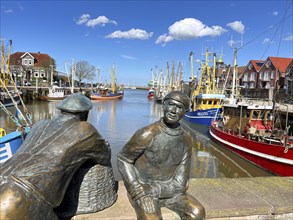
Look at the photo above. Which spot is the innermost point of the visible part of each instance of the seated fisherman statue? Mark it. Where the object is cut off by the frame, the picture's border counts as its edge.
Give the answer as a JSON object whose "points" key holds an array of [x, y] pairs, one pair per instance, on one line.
{"points": [[34, 181], [155, 165]]}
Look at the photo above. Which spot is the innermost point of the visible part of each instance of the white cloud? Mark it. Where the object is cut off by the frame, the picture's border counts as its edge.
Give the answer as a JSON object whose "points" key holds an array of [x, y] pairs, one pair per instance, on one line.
{"points": [[83, 19], [237, 26], [289, 38], [131, 34], [189, 28], [164, 39], [128, 57], [101, 21], [275, 13]]}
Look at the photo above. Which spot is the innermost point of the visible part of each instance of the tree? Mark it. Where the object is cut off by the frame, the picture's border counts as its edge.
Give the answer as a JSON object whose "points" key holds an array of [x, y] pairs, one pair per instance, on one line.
{"points": [[83, 71]]}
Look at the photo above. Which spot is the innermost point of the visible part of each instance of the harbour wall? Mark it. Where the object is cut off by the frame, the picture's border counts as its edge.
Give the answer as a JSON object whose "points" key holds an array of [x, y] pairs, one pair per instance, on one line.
{"points": [[260, 198]]}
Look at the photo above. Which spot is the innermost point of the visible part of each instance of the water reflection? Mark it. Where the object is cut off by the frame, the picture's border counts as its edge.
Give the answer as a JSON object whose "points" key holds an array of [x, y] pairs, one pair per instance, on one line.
{"points": [[210, 160], [117, 120]]}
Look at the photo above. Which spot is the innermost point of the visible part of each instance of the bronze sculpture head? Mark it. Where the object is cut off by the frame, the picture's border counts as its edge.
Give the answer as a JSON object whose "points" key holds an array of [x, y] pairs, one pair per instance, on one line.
{"points": [[178, 96], [76, 104]]}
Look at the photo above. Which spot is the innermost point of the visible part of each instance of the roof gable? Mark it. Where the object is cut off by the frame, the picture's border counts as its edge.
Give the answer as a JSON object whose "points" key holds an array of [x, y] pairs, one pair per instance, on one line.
{"points": [[280, 63], [257, 64], [40, 59], [26, 53]]}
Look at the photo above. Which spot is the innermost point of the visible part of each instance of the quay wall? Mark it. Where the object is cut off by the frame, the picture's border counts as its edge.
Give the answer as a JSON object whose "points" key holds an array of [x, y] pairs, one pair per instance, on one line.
{"points": [[33, 92], [259, 198]]}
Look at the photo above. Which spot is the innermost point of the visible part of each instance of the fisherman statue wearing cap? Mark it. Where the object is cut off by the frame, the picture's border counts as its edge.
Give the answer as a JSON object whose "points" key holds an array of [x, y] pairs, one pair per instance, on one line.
{"points": [[155, 165], [34, 181]]}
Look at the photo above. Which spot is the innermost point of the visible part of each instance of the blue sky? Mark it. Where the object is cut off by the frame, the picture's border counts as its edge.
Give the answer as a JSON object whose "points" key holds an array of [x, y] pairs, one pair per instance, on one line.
{"points": [[140, 35]]}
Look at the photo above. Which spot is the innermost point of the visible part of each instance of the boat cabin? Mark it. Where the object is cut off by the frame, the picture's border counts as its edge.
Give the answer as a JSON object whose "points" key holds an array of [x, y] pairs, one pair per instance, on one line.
{"points": [[208, 101]]}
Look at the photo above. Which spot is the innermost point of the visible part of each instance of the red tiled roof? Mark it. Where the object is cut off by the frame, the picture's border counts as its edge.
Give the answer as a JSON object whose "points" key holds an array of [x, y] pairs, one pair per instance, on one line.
{"points": [[256, 63], [281, 63], [41, 59]]}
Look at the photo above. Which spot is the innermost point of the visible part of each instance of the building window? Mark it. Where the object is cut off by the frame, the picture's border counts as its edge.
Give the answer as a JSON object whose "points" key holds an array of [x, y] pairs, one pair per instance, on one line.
{"points": [[36, 74], [260, 75], [252, 76], [30, 62], [266, 76], [42, 73], [272, 74], [24, 62]]}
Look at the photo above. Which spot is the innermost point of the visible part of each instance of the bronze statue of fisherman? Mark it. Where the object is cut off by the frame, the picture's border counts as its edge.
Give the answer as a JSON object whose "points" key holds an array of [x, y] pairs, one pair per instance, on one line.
{"points": [[155, 165], [34, 181]]}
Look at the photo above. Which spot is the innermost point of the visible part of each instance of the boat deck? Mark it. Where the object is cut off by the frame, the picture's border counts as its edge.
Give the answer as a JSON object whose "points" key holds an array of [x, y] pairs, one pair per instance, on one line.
{"points": [[223, 199]]}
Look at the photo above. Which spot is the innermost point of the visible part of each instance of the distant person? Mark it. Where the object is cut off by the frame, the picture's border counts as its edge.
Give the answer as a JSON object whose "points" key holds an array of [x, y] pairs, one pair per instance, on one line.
{"points": [[34, 181], [155, 165]]}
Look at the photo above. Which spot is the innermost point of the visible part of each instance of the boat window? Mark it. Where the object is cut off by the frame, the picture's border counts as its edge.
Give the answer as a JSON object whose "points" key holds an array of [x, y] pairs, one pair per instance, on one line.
{"points": [[204, 102], [210, 102], [256, 114]]}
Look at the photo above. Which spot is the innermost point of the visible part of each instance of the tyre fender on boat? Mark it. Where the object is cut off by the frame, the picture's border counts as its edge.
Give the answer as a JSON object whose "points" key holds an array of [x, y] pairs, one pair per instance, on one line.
{"points": [[2, 132]]}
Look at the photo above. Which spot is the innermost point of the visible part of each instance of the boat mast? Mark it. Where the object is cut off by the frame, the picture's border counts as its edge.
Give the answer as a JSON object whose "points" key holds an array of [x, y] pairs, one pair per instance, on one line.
{"points": [[191, 65], [5, 61], [73, 76], [234, 73], [214, 73], [113, 78], [2, 59], [172, 77], [180, 77]]}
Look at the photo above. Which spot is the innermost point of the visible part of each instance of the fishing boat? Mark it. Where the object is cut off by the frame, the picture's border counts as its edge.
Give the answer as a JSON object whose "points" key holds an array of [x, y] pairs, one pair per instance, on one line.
{"points": [[103, 93], [162, 88], [10, 142], [254, 131], [164, 82], [106, 94], [151, 93], [249, 131], [152, 86], [7, 101], [206, 100], [56, 93]]}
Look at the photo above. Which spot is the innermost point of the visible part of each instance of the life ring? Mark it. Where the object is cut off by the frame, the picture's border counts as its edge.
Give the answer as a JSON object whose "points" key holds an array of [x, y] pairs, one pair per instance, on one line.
{"points": [[250, 102]]}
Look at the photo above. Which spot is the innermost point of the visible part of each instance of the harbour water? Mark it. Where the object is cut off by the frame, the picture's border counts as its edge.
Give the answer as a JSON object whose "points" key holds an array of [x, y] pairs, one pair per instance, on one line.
{"points": [[117, 121]]}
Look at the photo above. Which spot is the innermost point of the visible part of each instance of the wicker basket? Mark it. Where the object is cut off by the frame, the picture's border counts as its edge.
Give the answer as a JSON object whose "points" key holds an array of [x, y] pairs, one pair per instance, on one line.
{"points": [[92, 189]]}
